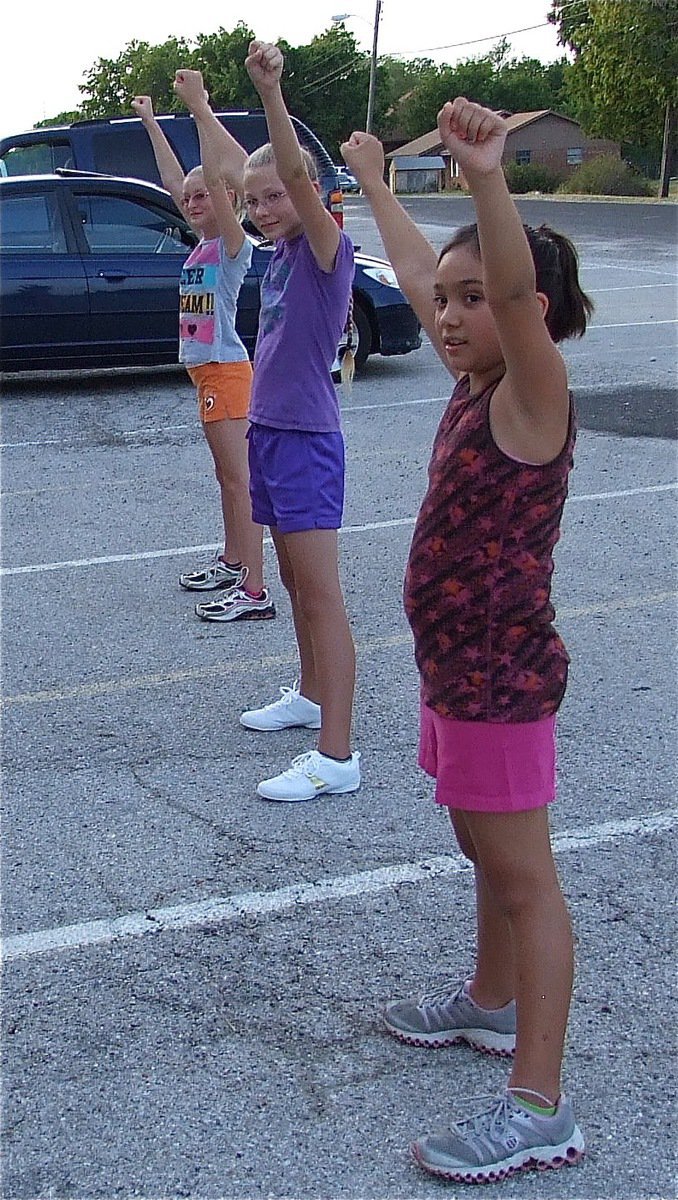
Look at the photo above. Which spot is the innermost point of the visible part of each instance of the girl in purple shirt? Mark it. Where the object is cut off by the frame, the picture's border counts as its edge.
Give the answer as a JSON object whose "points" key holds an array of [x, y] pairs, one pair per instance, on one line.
{"points": [[296, 449]]}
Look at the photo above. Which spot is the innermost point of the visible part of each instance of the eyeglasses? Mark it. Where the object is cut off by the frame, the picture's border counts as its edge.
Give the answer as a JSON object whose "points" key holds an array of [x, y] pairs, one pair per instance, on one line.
{"points": [[199, 196], [270, 200]]}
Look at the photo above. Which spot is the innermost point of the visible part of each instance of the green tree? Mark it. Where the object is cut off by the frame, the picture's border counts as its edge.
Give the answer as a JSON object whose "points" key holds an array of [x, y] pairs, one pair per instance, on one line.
{"points": [[525, 85], [473, 79], [326, 84], [322, 79], [623, 83], [139, 69], [495, 80], [221, 58], [62, 118]]}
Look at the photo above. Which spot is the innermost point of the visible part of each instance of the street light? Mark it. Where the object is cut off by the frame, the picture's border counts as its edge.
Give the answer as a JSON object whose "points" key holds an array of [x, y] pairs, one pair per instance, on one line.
{"points": [[373, 60]]}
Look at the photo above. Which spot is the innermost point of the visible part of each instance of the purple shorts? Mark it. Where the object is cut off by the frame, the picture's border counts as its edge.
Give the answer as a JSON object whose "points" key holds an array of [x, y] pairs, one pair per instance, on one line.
{"points": [[296, 478], [485, 767]]}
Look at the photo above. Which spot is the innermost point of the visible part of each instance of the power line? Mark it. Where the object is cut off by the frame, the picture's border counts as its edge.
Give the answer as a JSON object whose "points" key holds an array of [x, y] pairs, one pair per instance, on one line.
{"points": [[581, 4], [493, 37], [333, 76]]}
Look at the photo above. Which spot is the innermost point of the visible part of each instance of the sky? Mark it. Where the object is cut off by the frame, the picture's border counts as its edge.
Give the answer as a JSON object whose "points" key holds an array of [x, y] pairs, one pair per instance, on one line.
{"points": [[62, 41]]}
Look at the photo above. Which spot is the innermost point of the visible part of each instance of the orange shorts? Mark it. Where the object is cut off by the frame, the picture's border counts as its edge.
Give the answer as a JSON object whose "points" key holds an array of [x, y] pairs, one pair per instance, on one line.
{"points": [[223, 390]]}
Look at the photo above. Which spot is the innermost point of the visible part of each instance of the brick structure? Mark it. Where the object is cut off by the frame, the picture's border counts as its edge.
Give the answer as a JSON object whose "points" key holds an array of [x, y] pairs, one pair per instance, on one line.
{"points": [[544, 137]]}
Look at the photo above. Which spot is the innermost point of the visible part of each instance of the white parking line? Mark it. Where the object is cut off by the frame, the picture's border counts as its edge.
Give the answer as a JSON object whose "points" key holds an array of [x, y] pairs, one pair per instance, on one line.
{"points": [[221, 910], [631, 324], [177, 551], [632, 287]]}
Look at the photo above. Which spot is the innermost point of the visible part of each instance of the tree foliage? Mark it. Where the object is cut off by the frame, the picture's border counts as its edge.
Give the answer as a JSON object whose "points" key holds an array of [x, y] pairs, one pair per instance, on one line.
{"points": [[325, 84], [322, 84], [139, 69], [626, 64], [517, 85]]}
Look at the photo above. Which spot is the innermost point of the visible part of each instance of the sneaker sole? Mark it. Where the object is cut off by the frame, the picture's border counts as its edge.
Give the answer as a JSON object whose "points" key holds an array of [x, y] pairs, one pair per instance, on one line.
{"points": [[263, 615], [499, 1045], [354, 787], [278, 728], [538, 1158]]}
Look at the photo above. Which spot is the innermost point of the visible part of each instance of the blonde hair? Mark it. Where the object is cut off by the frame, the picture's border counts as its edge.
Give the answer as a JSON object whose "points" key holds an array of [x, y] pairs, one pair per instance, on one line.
{"points": [[348, 357], [264, 156], [194, 171]]}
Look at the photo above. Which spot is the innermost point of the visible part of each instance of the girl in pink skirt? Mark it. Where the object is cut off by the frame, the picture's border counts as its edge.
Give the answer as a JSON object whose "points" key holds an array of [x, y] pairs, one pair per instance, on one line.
{"points": [[495, 303]]}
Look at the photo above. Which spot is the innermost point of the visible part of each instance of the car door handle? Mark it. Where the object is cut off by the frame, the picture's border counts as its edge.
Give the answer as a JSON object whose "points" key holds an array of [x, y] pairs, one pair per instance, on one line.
{"points": [[112, 275]]}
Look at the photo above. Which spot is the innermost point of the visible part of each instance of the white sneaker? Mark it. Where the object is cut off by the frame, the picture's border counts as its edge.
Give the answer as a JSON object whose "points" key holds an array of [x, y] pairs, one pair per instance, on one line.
{"points": [[313, 774], [213, 575], [292, 709], [237, 605]]}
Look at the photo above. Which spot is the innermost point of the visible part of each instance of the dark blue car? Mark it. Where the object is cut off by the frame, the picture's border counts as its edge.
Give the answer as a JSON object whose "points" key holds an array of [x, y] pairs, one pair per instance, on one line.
{"points": [[89, 274]]}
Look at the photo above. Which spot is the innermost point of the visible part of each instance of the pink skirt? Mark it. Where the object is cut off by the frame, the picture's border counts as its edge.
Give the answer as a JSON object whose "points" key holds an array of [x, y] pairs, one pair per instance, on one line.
{"points": [[486, 767]]}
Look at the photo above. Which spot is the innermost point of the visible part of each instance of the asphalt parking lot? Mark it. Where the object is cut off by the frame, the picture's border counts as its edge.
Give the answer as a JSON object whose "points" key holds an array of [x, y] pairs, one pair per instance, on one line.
{"points": [[192, 976]]}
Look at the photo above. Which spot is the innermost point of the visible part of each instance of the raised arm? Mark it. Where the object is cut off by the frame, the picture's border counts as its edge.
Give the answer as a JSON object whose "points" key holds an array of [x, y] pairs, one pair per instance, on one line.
{"points": [[535, 371], [169, 167], [264, 64], [413, 258], [221, 145], [221, 158]]}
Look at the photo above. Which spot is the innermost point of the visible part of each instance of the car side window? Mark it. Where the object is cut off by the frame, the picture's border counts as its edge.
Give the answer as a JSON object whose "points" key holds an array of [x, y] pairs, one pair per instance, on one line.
{"points": [[32, 224], [36, 158], [118, 225]]}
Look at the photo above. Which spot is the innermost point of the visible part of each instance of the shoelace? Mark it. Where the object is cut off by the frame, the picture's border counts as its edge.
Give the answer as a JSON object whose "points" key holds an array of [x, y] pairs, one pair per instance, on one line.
{"points": [[494, 1117], [233, 594], [303, 764], [228, 598], [287, 695], [451, 991]]}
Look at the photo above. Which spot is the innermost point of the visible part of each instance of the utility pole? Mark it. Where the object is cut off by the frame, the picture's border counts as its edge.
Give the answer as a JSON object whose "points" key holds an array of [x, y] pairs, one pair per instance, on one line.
{"points": [[668, 148], [373, 69]]}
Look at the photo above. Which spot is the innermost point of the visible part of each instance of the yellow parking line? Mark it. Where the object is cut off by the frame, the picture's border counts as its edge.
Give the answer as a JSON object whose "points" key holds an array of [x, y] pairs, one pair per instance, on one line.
{"points": [[133, 683]]}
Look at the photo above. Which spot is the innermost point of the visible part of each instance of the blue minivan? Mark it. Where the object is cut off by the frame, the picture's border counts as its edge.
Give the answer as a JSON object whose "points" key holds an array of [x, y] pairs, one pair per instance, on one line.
{"points": [[120, 146]]}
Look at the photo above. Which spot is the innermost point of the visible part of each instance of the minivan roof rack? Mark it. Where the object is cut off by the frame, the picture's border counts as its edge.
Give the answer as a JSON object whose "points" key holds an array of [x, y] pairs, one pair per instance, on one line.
{"points": [[73, 171], [222, 112]]}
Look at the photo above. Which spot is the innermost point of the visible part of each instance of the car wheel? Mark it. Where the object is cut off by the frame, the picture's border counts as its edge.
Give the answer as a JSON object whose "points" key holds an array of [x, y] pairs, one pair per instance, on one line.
{"points": [[362, 339]]}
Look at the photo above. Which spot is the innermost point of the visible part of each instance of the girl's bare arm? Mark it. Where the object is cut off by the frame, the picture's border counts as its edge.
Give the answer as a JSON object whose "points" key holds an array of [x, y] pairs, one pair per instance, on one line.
{"points": [[221, 158], [169, 167], [535, 384], [264, 65], [412, 257]]}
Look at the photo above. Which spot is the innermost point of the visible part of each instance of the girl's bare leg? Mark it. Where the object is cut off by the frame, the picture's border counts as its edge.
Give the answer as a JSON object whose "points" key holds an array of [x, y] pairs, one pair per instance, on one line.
{"points": [[308, 680], [243, 540], [492, 985], [514, 853], [322, 626]]}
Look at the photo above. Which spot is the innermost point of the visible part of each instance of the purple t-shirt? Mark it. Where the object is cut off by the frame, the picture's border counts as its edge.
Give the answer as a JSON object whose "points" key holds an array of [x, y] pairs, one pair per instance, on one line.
{"points": [[303, 314]]}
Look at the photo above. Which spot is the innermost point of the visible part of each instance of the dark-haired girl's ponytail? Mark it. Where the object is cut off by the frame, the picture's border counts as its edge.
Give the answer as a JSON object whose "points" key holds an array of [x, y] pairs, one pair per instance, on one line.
{"points": [[570, 307]]}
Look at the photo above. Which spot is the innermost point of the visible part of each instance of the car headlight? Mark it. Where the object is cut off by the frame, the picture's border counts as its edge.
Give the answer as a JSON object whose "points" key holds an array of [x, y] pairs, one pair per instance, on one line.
{"points": [[385, 275]]}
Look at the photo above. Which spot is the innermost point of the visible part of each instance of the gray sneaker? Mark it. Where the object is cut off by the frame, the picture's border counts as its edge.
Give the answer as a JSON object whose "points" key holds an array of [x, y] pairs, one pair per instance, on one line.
{"points": [[501, 1139], [448, 1015]]}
